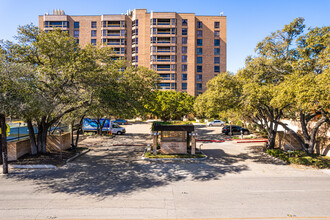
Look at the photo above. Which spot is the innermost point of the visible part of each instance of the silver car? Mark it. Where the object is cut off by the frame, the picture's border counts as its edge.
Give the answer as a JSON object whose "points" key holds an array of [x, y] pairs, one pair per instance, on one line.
{"points": [[216, 123]]}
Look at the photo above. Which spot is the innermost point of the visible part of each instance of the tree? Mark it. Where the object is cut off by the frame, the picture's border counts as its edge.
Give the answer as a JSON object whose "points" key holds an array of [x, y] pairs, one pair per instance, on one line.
{"points": [[62, 78], [169, 105], [260, 80], [307, 89], [223, 93]]}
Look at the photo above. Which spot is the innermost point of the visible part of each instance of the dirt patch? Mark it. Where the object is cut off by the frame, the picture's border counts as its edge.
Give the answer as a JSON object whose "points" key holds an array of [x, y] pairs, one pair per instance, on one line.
{"points": [[52, 158]]}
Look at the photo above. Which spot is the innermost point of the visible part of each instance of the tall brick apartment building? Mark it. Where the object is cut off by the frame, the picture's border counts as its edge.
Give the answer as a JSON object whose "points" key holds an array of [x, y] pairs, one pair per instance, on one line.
{"points": [[186, 50]]}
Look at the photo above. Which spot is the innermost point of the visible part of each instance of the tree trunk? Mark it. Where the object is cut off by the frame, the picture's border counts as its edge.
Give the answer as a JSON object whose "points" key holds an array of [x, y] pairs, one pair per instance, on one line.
{"points": [[309, 139], [32, 136], [4, 143], [79, 130], [271, 139], [42, 135]]}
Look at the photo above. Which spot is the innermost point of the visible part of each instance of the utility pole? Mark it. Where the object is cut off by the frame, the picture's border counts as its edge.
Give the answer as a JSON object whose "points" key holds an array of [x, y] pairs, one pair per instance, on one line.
{"points": [[4, 143]]}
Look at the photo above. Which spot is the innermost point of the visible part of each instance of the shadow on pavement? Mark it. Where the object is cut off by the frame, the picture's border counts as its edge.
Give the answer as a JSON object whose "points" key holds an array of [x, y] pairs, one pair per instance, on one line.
{"points": [[103, 174]]}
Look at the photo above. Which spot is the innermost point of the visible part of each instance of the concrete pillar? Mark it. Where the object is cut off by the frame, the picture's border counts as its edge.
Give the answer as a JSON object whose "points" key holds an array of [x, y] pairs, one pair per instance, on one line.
{"points": [[193, 144], [155, 138]]}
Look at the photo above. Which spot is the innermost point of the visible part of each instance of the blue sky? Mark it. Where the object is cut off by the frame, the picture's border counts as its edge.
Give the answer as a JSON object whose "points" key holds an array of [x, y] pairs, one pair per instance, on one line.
{"points": [[248, 22]]}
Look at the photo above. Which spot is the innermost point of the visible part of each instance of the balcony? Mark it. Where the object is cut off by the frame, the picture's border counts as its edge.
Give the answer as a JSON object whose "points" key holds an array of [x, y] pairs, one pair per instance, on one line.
{"points": [[113, 24]]}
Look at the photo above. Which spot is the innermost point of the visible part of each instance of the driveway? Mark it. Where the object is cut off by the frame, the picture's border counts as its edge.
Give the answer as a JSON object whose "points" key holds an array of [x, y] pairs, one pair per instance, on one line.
{"points": [[236, 181]]}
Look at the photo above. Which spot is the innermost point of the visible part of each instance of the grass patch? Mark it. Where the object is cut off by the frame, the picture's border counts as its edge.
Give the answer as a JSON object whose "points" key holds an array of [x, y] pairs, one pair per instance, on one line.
{"points": [[172, 156], [301, 158]]}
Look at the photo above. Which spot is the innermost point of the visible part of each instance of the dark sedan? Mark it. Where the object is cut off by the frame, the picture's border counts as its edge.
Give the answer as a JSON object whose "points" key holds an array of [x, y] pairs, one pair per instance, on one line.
{"points": [[235, 130]]}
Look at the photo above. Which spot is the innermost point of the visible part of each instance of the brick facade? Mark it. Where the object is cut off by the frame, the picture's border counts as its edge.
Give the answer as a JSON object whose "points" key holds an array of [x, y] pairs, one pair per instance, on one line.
{"points": [[159, 45]]}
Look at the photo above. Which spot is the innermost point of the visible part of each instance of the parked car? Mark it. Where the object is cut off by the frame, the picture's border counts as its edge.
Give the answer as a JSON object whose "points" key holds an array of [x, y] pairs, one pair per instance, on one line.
{"points": [[216, 123], [120, 121], [235, 130], [116, 129]]}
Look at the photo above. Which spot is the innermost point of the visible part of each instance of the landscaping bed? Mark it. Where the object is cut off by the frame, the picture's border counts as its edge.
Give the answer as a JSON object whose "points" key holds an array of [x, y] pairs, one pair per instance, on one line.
{"points": [[50, 158], [173, 156], [301, 158]]}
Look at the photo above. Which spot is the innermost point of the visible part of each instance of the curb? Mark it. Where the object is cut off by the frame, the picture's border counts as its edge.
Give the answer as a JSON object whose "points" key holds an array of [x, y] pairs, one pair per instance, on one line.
{"points": [[77, 155], [257, 141], [214, 141], [35, 166], [275, 158], [169, 159]]}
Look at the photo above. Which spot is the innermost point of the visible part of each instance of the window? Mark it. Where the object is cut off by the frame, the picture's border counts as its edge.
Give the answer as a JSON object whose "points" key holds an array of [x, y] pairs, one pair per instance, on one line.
{"points": [[184, 86], [217, 69], [136, 59], [199, 86], [184, 77], [172, 76], [184, 50], [199, 33], [93, 33], [173, 40], [122, 50], [216, 33], [173, 58], [93, 41], [122, 41], [216, 60], [136, 49], [136, 31], [77, 41], [199, 24], [173, 21], [122, 33], [76, 34], [93, 24], [199, 77], [216, 42], [199, 51], [136, 23], [136, 40], [184, 40], [173, 30], [184, 68], [216, 51], [199, 59], [199, 42], [184, 31], [216, 24], [184, 59], [184, 22], [199, 69], [76, 25]]}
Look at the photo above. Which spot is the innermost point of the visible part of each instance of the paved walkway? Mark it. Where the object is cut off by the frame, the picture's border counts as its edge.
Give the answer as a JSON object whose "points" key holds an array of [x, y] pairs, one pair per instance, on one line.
{"points": [[113, 182]]}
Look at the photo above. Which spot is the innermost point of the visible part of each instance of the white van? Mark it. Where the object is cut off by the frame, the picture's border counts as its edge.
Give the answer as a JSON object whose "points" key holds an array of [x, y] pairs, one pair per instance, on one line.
{"points": [[116, 129]]}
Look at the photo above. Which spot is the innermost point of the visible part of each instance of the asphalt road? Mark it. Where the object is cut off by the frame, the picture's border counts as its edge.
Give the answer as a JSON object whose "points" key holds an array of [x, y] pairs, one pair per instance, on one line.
{"points": [[112, 182]]}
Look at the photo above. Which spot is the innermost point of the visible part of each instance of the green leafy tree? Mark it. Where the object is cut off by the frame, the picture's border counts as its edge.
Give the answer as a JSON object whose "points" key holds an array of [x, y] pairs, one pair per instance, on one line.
{"points": [[61, 80], [307, 89], [169, 105]]}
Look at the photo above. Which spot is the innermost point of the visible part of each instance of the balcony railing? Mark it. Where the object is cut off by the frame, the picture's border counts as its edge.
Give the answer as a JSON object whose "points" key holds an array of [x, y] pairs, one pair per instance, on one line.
{"points": [[113, 43], [163, 42], [163, 23], [163, 51], [163, 69]]}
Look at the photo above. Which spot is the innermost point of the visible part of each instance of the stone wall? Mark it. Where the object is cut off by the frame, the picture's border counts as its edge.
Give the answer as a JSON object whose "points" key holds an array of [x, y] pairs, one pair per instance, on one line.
{"points": [[58, 143], [287, 141], [16, 149]]}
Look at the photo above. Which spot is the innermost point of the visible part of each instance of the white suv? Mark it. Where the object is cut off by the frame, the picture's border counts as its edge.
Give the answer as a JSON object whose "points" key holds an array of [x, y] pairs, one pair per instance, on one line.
{"points": [[216, 123]]}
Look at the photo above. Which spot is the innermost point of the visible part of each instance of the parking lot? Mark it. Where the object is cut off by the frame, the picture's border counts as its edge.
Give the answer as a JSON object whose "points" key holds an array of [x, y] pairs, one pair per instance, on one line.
{"points": [[111, 181]]}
